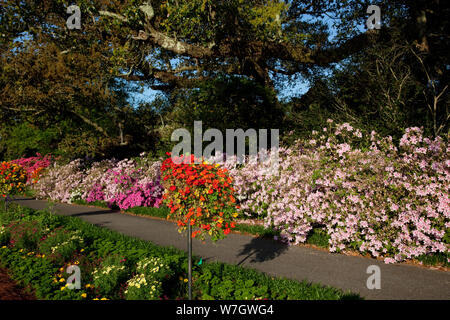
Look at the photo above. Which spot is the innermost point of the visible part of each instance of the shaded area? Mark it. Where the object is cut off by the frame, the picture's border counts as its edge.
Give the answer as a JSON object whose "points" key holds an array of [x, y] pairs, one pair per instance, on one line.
{"points": [[260, 250], [90, 213]]}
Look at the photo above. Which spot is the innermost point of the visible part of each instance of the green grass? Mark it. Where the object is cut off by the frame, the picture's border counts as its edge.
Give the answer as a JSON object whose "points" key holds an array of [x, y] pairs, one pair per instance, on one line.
{"points": [[318, 237], [101, 204], [161, 212], [257, 230], [435, 259]]}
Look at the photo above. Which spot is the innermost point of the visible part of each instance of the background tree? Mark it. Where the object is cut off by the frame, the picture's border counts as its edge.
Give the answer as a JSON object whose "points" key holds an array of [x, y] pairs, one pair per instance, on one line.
{"points": [[200, 52]]}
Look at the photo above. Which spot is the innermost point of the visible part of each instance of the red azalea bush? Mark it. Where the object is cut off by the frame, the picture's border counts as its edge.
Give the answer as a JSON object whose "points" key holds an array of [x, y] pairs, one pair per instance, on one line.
{"points": [[200, 193], [34, 166]]}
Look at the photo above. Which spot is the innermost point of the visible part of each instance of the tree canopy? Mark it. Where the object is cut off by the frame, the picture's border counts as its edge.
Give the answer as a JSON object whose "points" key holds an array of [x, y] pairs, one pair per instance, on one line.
{"points": [[216, 54]]}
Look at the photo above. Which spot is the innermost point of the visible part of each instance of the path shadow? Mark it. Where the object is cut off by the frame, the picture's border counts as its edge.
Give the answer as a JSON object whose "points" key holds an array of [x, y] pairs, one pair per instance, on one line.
{"points": [[259, 250], [90, 213]]}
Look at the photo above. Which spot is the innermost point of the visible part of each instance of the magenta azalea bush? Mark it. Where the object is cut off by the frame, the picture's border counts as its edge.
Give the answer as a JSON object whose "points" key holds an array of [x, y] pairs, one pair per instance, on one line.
{"points": [[127, 183], [34, 166]]}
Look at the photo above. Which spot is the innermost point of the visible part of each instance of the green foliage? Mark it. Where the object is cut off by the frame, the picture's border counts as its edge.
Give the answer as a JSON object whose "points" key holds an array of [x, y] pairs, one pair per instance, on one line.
{"points": [[318, 237], [220, 281], [26, 140], [110, 275], [25, 234], [60, 244], [161, 212], [240, 102]]}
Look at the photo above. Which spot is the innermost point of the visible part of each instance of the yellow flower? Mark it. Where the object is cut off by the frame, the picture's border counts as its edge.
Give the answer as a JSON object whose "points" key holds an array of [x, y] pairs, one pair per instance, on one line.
{"points": [[3, 247], [83, 295], [62, 280], [81, 250], [43, 256], [89, 285], [62, 288], [95, 299], [103, 299], [186, 280]]}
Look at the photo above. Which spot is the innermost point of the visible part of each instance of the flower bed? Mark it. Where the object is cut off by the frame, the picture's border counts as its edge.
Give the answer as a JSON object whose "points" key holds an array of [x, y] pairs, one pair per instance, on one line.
{"points": [[12, 179], [347, 189], [114, 266], [126, 184]]}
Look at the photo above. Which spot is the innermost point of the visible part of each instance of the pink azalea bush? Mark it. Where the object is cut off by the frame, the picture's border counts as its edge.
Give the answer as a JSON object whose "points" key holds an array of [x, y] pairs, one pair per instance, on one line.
{"points": [[59, 181], [364, 191]]}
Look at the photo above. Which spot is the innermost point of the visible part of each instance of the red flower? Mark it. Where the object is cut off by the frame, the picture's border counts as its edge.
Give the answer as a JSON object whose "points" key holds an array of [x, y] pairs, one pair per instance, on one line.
{"points": [[173, 188]]}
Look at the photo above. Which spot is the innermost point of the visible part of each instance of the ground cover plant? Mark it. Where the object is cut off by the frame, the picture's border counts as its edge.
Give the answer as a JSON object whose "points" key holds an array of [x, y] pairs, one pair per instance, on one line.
{"points": [[115, 266]]}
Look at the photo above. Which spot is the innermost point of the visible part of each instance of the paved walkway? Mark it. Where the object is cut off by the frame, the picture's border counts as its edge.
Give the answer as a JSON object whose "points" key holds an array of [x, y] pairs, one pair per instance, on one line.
{"points": [[295, 262]]}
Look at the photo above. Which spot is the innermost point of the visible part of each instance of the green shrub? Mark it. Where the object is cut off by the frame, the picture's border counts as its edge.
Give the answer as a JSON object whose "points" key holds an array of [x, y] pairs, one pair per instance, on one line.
{"points": [[110, 275], [61, 244], [25, 234]]}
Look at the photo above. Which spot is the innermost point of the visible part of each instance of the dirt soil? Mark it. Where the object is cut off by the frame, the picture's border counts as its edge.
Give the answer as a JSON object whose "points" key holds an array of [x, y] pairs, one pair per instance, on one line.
{"points": [[9, 290]]}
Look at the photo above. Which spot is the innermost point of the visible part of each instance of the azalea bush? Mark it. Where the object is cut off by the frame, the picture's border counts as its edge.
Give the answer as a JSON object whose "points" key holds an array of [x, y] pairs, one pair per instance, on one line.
{"points": [[200, 194], [367, 193], [59, 181], [34, 166], [12, 179], [126, 184]]}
